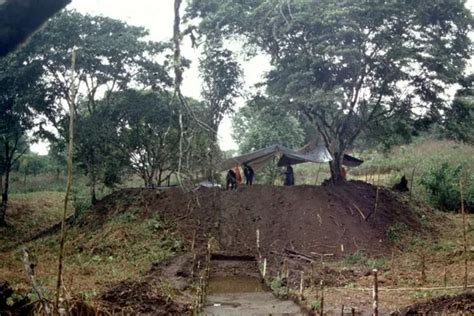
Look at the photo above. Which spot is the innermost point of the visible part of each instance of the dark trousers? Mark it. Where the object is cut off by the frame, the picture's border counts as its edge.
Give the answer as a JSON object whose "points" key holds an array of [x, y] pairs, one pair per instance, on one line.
{"points": [[248, 180], [231, 184]]}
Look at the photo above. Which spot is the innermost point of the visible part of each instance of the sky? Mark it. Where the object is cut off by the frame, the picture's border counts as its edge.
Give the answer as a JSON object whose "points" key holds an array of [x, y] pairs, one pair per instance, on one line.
{"points": [[157, 16]]}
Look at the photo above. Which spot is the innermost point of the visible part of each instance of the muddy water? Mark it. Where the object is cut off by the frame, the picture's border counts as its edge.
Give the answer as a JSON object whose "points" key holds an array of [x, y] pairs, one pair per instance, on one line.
{"points": [[235, 289], [234, 284]]}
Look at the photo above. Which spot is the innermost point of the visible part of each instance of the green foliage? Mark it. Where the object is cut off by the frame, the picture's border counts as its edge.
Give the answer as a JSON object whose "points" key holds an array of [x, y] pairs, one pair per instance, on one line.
{"points": [[315, 306], [396, 232], [261, 124], [346, 65], [443, 185], [149, 132], [356, 257], [459, 121], [111, 56]]}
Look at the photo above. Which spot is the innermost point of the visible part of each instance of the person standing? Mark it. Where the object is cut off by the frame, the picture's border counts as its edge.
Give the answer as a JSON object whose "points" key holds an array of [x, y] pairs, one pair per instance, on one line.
{"points": [[231, 180], [289, 176], [248, 173], [238, 175]]}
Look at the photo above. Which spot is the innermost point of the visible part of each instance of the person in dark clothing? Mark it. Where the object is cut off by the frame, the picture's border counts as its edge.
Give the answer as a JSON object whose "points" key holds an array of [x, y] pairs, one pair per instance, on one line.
{"points": [[402, 186], [289, 176], [248, 173], [231, 180]]}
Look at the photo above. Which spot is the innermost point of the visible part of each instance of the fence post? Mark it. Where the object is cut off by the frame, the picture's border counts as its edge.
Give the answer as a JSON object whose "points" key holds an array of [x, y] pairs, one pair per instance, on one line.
{"points": [[321, 312], [464, 232], [375, 294], [301, 285]]}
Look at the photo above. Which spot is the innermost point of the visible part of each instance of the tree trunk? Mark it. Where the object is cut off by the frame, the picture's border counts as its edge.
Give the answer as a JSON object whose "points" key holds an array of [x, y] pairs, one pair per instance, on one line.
{"points": [[92, 188], [4, 203], [335, 166]]}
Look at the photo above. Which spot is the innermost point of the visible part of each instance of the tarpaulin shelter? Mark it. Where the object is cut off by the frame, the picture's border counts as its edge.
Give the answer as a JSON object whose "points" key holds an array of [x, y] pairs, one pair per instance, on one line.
{"points": [[285, 156]]}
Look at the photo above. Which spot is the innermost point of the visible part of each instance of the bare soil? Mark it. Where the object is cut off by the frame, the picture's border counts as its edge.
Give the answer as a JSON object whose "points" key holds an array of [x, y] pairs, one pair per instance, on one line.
{"points": [[462, 304]]}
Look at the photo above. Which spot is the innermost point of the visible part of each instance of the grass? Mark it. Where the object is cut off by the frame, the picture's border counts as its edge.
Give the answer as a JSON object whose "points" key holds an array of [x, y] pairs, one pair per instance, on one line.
{"points": [[124, 247]]}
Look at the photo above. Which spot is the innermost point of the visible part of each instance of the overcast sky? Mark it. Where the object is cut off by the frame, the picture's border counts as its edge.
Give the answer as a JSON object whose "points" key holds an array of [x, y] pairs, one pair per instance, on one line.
{"points": [[157, 16]]}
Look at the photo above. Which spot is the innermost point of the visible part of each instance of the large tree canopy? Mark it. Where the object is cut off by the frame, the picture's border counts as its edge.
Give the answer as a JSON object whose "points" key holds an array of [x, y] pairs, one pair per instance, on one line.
{"points": [[346, 64], [111, 57]]}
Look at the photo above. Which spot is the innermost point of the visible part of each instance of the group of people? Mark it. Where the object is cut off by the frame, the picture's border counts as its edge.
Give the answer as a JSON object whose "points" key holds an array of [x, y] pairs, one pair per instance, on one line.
{"points": [[234, 178]]}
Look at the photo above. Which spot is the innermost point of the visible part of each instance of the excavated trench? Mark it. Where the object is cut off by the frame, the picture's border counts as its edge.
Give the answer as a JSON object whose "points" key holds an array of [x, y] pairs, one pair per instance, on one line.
{"points": [[235, 287]]}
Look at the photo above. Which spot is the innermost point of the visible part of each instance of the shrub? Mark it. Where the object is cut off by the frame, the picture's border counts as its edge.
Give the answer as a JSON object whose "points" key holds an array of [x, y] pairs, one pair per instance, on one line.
{"points": [[442, 184]]}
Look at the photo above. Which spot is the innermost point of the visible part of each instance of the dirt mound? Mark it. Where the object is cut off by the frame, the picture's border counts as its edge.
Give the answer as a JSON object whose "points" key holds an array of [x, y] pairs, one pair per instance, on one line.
{"points": [[459, 304], [297, 225], [312, 220]]}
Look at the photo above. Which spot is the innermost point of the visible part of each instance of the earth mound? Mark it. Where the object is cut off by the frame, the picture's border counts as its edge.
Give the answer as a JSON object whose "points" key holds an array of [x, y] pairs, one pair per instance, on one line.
{"points": [[462, 304]]}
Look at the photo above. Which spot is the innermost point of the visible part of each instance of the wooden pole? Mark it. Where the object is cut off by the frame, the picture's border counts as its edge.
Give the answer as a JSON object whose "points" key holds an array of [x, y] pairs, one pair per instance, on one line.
{"points": [[321, 311], [376, 199], [342, 310], [287, 280], [411, 182], [353, 311], [317, 175], [445, 277], [193, 242], [464, 231], [392, 269], [72, 111], [264, 272], [301, 284], [375, 294], [258, 244], [423, 268]]}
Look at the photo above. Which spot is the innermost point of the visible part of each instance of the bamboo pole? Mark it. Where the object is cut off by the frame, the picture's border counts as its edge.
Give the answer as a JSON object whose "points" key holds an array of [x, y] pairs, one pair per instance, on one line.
{"points": [[71, 103], [464, 231]]}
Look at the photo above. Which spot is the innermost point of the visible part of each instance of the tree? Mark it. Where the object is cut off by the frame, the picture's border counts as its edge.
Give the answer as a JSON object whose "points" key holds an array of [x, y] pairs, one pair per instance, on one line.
{"points": [[347, 64], [22, 99], [261, 124], [459, 121], [221, 75], [148, 131], [111, 56]]}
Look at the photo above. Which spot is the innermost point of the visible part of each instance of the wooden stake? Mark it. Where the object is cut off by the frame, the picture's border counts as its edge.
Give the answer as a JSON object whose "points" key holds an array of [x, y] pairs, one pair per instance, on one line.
{"points": [[342, 310], [311, 280], [258, 244], [301, 285], [317, 175], [353, 311], [193, 243], [445, 277], [375, 293], [321, 311], [464, 232], [264, 268], [411, 181], [376, 199], [423, 268], [287, 280], [392, 268]]}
